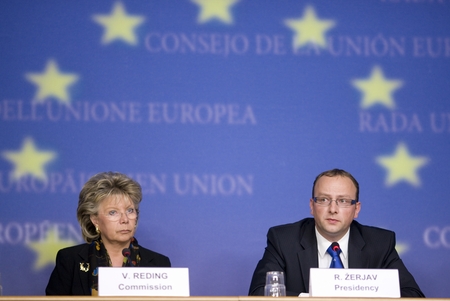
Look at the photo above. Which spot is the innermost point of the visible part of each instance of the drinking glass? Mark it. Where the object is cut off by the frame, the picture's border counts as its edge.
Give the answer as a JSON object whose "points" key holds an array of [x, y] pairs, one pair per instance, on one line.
{"points": [[275, 284]]}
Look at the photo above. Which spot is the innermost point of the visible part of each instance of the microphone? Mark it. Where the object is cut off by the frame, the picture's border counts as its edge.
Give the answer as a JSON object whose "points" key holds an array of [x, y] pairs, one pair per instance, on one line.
{"points": [[335, 247], [127, 253], [334, 251]]}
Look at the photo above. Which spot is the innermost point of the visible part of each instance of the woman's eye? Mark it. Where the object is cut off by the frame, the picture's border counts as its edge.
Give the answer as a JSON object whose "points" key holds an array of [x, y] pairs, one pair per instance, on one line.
{"points": [[130, 210], [112, 212]]}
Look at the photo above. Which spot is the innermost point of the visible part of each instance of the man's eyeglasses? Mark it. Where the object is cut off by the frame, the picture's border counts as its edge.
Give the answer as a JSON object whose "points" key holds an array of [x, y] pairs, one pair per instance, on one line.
{"points": [[322, 201], [114, 215]]}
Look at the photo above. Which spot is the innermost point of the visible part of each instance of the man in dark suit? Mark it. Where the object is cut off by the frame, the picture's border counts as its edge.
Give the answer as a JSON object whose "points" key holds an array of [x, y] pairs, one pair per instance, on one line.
{"points": [[297, 247]]}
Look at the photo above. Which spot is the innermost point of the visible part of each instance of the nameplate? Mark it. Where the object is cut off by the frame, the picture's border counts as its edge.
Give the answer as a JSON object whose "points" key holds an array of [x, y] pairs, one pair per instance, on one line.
{"points": [[140, 281], [380, 283]]}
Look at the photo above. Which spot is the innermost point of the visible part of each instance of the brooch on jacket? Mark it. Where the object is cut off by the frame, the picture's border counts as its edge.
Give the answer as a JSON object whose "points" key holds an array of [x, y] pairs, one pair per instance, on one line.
{"points": [[84, 267]]}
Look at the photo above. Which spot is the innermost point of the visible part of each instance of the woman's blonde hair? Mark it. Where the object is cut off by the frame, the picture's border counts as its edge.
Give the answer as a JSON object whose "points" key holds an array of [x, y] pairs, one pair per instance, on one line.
{"points": [[96, 189]]}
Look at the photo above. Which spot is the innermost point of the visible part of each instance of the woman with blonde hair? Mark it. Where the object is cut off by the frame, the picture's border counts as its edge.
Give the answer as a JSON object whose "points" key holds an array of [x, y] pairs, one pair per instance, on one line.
{"points": [[108, 213]]}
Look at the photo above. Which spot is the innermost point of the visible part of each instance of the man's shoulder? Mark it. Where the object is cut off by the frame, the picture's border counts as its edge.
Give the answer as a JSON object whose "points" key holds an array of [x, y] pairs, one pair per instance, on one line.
{"points": [[371, 230], [292, 227]]}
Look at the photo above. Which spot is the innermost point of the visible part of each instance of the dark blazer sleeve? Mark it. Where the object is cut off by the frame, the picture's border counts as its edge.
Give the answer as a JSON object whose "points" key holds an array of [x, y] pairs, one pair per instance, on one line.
{"points": [[292, 249], [271, 261], [408, 285], [61, 277], [66, 279], [374, 248]]}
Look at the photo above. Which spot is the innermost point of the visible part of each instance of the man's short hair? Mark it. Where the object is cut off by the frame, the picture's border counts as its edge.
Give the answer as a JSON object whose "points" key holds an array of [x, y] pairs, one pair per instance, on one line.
{"points": [[337, 173]]}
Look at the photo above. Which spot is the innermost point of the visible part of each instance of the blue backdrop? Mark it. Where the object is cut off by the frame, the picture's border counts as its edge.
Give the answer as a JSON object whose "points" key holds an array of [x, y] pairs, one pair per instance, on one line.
{"points": [[224, 111]]}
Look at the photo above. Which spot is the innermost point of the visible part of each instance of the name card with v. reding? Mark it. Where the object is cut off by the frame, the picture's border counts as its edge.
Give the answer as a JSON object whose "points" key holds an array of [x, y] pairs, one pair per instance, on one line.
{"points": [[140, 281], [380, 283]]}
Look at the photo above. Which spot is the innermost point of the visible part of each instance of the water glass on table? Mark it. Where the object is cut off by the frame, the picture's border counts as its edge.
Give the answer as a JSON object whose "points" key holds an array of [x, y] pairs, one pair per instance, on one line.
{"points": [[275, 284]]}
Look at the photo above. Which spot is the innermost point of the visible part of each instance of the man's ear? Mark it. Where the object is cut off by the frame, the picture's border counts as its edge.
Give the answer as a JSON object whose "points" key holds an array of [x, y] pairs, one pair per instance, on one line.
{"points": [[357, 209]]}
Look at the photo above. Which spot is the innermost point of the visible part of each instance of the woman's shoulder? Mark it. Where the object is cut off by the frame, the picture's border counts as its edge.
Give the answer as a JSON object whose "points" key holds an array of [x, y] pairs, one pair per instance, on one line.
{"points": [[153, 258], [74, 249], [145, 251]]}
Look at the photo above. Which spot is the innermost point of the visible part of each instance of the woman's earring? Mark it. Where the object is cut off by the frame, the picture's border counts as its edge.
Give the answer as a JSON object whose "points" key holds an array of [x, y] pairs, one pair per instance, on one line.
{"points": [[97, 230]]}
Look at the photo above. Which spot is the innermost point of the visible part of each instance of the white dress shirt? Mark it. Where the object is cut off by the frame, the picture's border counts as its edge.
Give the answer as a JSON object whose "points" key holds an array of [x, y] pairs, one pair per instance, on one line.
{"points": [[323, 244]]}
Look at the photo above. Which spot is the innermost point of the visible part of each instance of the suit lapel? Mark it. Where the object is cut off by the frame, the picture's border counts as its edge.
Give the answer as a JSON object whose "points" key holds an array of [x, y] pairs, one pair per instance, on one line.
{"points": [[356, 243], [83, 275], [307, 256]]}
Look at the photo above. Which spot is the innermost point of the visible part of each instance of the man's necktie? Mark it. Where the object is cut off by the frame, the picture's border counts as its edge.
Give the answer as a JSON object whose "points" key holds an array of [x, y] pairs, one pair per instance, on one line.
{"points": [[334, 251]]}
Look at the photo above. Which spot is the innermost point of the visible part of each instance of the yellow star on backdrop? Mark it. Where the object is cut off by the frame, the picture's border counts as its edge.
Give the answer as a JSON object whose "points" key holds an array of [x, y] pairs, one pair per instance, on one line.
{"points": [[377, 89], [401, 248], [46, 250], [119, 25], [402, 166], [29, 160], [309, 29], [52, 83], [215, 9]]}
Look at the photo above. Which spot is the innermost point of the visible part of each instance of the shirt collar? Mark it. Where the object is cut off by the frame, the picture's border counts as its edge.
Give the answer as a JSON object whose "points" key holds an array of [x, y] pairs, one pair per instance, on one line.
{"points": [[323, 244]]}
